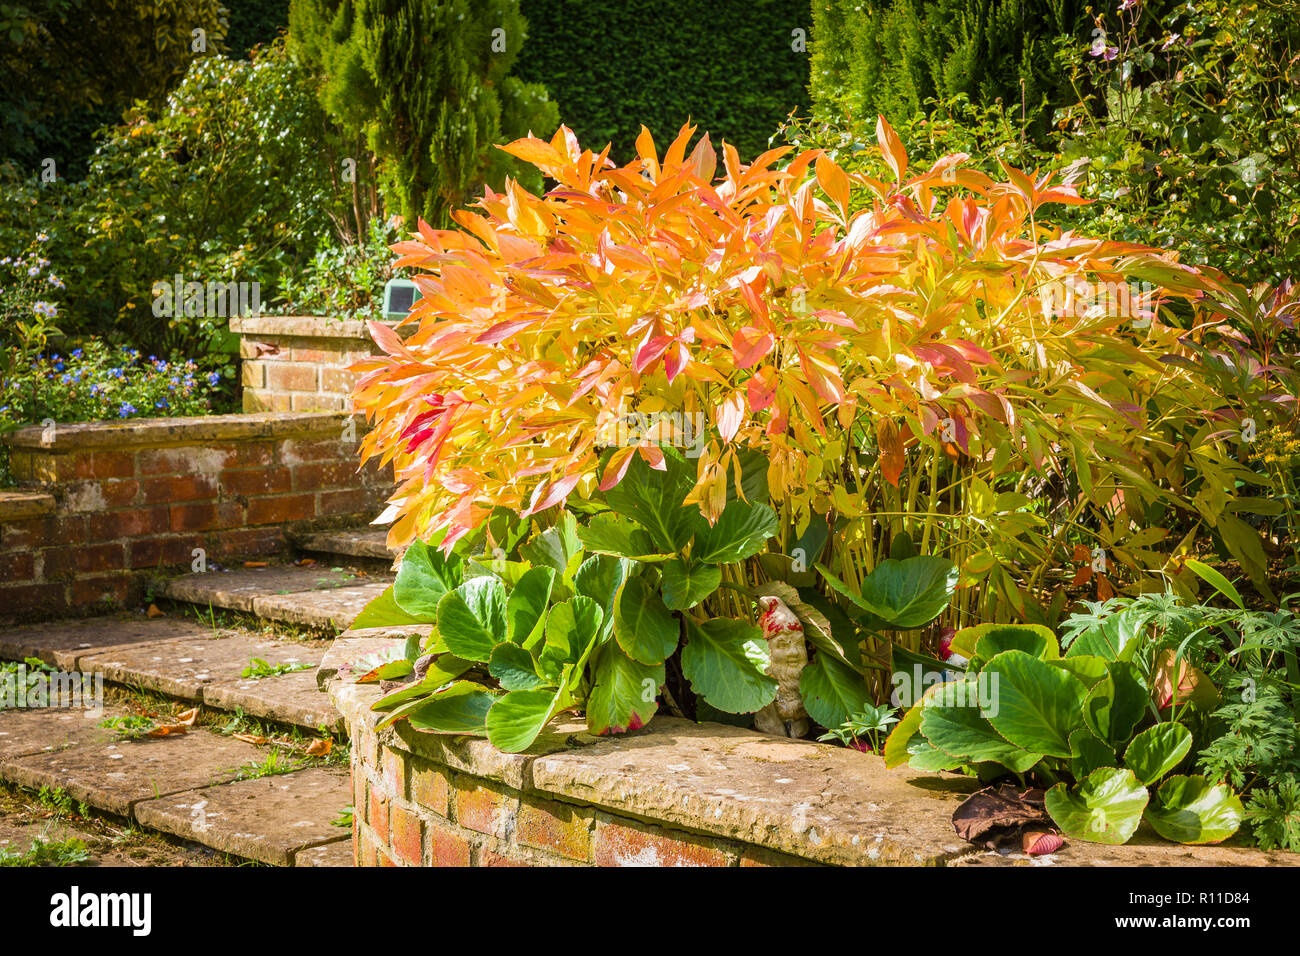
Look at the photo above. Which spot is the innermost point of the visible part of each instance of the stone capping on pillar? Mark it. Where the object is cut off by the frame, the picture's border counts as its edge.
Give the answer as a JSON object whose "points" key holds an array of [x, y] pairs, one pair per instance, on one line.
{"points": [[161, 432]]}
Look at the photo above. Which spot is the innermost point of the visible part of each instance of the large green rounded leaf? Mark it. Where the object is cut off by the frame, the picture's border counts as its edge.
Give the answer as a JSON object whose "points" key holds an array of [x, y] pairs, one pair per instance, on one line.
{"points": [[685, 584], [599, 578], [617, 535], [1192, 810], [623, 695], [423, 578], [726, 662], [514, 668], [472, 618], [555, 547], [1157, 750], [459, 709], [1034, 705], [908, 593], [572, 628], [1115, 704], [384, 611], [896, 746], [832, 692], [1106, 807], [516, 719], [653, 499], [526, 607], [1086, 667], [644, 628], [1090, 752], [740, 531], [1115, 638], [951, 721], [1031, 638]]}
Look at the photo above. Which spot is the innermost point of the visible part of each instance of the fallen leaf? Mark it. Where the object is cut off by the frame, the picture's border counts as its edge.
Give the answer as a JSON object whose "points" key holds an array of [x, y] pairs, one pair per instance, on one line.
{"points": [[995, 814], [168, 730], [304, 562], [320, 748], [255, 564], [251, 738], [1041, 842], [155, 612], [188, 717]]}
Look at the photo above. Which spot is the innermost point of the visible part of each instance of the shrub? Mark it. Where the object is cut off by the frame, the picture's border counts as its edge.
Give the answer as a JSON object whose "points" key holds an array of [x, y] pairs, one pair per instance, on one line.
{"points": [[734, 69]]}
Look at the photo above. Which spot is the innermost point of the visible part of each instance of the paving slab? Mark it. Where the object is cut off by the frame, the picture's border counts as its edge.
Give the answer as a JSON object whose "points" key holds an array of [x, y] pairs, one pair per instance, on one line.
{"points": [[185, 667], [292, 698], [267, 819], [350, 542], [62, 643], [338, 853], [331, 610], [45, 729], [19, 831], [1146, 848], [237, 590], [115, 776]]}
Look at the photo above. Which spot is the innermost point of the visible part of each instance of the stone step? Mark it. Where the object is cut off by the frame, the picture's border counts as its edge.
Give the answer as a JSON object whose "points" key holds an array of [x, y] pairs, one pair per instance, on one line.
{"points": [[321, 598], [186, 660], [194, 785], [349, 543]]}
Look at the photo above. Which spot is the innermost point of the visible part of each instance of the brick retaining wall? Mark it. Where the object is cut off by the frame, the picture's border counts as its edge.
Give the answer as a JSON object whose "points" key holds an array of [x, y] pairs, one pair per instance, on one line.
{"points": [[106, 504]]}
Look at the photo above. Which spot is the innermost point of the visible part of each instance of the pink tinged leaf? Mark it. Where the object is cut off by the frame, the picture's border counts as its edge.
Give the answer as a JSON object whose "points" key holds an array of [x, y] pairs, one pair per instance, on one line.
{"points": [[676, 359], [616, 468], [835, 317], [750, 346], [730, 415], [502, 331], [557, 492], [823, 377], [653, 456], [760, 393], [648, 352], [1040, 842]]}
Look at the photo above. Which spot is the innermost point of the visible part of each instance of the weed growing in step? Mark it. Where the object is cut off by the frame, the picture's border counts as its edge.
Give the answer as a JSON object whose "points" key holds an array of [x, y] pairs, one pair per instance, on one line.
{"points": [[72, 852], [61, 803], [130, 726], [258, 668], [344, 819]]}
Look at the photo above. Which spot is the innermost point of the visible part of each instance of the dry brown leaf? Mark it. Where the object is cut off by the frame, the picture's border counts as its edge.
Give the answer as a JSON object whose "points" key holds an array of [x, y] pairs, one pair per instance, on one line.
{"points": [[188, 717], [155, 612], [168, 730], [305, 562], [320, 748], [251, 738], [255, 564]]}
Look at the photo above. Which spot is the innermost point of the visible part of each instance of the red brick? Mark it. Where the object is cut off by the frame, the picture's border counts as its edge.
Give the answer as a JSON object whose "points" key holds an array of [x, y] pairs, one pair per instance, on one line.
{"points": [[406, 841], [377, 814], [113, 525], [178, 488], [320, 449], [355, 501], [291, 377], [17, 566], [96, 590], [394, 771], [384, 858], [26, 533], [100, 558], [119, 493], [313, 356], [281, 508], [24, 599], [555, 827], [247, 542], [105, 464], [194, 517], [250, 454], [256, 481], [615, 844], [429, 788], [319, 475], [337, 380], [483, 808], [365, 846], [491, 858], [447, 847], [59, 562]]}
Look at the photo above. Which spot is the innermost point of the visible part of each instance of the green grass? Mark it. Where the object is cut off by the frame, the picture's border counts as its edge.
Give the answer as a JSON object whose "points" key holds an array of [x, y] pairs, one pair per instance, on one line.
{"points": [[258, 668], [73, 852]]}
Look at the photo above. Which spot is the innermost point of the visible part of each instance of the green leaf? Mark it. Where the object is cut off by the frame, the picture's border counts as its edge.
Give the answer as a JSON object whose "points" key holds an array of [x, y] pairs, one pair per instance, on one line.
{"points": [[555, 547], [1106, 807], [740, 531], [832, 692], [1215, 580], [1035, 706], [1031, 638], [753, 476], [1086, 667], [1157, 750], [686, 585], [644, 628], [514, 668], [1089, 753], [1115, 638], [623, 695], [571, 629], [460, 709], [526, 607], [1115, 704], [951, 721], [614, 534], [442, 670], [600, 578], [653, 499], [726, 662], [384, 611], [1192, 810], [472, 618], [516, 719], [902, 594], [424, 577]]}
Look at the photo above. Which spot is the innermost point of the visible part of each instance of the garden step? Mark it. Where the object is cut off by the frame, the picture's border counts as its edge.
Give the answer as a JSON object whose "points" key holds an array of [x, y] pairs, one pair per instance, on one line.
{"points": [[310, 596], [186, 785], [185, 660], [349, 543]]}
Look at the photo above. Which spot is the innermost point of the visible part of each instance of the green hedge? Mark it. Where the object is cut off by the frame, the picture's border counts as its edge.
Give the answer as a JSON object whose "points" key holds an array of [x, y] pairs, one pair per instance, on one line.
{"points": [[890, 56], [728, 66]]}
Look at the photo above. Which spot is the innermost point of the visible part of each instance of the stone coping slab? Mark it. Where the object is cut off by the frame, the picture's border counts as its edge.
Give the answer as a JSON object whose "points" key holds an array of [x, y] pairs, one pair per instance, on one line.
{"points": [[355, 543], [819, 803], [64, 644], [16, 505], [151, 432], [269, 819], [329, 610], [240, 590]]}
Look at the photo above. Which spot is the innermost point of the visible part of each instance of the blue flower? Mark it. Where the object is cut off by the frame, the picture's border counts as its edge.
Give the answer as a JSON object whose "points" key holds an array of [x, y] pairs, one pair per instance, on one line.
{"points": [[115, 372], [76, 353], [58, 365], [125, 410], [214, 378], [161, 403]]}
